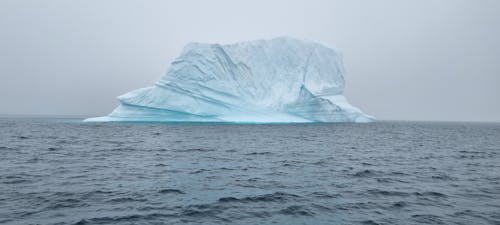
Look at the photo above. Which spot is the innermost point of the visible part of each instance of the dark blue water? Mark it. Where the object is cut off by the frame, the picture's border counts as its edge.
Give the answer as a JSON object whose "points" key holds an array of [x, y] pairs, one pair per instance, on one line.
{"points": [[54, 172]]}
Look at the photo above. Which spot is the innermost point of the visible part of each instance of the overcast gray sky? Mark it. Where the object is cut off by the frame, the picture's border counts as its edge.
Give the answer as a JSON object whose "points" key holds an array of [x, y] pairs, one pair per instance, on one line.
{"points": [[405, 59]]}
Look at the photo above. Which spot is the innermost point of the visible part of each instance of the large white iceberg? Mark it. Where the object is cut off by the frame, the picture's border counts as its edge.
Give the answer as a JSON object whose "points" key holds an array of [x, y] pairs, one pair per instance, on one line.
{"points": [[266, 81]]}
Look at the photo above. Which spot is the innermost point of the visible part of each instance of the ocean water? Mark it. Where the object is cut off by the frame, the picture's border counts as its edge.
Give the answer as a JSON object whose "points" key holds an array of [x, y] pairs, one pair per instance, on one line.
{"points": [[66, 172]]}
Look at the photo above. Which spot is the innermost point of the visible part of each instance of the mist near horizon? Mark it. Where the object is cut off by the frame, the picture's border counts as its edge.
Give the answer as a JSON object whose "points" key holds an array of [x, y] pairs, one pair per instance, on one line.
{"points": [[405, 60]]}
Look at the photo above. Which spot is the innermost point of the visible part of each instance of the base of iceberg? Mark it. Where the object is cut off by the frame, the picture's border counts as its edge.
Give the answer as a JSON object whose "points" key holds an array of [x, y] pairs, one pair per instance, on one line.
{"points": [[282, 80]]}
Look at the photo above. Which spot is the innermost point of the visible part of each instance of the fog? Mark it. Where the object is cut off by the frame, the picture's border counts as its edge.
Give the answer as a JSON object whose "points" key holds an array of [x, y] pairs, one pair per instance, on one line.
{"points": [[405, 60]]}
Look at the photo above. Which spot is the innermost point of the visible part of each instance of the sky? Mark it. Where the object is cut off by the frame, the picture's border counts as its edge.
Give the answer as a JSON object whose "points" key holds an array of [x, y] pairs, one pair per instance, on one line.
{"points": [[405, 59]]}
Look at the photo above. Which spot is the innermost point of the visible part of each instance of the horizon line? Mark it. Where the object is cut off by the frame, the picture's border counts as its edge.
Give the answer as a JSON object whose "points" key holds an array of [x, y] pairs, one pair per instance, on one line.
{"points": [[68, 116]]}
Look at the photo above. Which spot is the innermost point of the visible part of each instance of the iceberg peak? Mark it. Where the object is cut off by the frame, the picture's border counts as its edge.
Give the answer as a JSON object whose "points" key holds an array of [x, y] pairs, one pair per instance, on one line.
{"points": [[277, 80]]}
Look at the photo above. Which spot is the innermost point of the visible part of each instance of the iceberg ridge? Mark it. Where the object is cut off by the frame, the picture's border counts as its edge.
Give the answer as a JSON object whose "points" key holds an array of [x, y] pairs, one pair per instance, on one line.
{"points": [[281, 80]]}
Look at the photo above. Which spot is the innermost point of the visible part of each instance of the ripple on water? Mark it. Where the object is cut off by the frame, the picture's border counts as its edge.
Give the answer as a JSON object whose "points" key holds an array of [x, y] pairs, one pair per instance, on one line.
{"points": [[193, 150], [378, 192], [366, 173], [381, 173], [274, 197], [66, 203], [431, 194], [427, 219], [170, 191], [297, 210]]}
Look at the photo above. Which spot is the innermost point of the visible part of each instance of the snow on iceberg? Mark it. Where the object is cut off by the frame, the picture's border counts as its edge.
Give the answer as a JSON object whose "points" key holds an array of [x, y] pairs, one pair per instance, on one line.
{"points": [[280, 80]]}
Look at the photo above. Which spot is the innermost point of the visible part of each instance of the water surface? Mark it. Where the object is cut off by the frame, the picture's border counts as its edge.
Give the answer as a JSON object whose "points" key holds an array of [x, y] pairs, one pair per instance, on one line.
{"points": [[54, 172]]}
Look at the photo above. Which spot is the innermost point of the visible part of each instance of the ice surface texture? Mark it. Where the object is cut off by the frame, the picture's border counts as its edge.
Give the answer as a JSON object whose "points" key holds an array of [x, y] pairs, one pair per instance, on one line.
{"points": [[265, 81]]}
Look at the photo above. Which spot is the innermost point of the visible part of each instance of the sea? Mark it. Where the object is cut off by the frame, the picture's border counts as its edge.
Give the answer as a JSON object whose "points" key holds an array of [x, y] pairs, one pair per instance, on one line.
{"points": [[64, 171]]}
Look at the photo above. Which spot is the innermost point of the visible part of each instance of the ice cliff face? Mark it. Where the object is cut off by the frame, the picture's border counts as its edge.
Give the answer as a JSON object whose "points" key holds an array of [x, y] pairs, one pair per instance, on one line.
{"points": [[277, 80]]}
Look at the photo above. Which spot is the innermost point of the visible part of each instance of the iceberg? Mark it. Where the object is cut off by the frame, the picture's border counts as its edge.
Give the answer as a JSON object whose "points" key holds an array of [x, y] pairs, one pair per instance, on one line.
{"points": [[280, 80]]}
